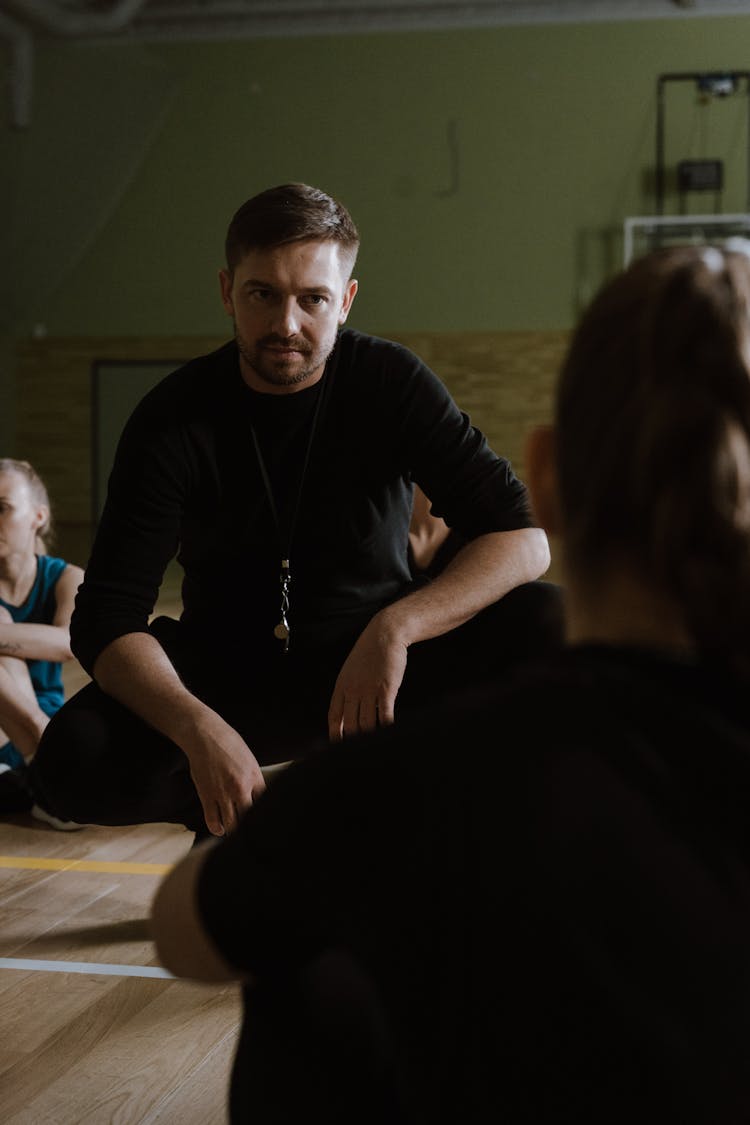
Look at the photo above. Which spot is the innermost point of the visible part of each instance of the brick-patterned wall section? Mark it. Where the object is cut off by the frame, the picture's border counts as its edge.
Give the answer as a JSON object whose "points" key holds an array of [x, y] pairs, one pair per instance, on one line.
{"points": [[503, 380], [54, 417]]}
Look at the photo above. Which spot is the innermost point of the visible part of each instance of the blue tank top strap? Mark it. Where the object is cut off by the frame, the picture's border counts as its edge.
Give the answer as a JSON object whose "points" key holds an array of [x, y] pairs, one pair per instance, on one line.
{"points": [[39, 609], [40, 605]]}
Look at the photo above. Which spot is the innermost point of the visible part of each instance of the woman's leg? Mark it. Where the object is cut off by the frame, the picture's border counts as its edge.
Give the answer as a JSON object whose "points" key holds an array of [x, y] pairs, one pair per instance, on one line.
{"points": [[22, 721], [316, 1046]]}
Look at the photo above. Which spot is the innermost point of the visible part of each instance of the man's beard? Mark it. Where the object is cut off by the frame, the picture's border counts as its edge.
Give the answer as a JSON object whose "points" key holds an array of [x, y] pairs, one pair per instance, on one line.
{"points": [[276, 371]]}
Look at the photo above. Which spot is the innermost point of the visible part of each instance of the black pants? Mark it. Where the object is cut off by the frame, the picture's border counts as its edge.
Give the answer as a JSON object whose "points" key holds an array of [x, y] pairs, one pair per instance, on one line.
{"points": [[315, 1047], [98, 763]]}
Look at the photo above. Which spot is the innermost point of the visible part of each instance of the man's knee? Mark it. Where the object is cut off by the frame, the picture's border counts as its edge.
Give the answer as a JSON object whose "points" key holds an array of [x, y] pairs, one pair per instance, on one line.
{"points": [[532, 616], [98, 763], [75, 731], [71, 759], [55, 767]]}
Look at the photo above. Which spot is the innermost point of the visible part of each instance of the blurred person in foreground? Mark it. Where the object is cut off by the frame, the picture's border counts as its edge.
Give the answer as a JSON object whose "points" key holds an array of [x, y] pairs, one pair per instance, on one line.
{"points": [[541, 912]]}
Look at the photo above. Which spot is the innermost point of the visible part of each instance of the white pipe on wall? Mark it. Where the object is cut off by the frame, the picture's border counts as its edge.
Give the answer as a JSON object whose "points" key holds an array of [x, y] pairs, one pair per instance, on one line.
{"points": [[50, 17], [21, 70]]}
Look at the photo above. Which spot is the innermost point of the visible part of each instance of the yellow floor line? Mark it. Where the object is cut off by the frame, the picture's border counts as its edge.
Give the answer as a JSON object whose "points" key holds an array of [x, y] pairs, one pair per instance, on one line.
{"points": [[111, 868]]}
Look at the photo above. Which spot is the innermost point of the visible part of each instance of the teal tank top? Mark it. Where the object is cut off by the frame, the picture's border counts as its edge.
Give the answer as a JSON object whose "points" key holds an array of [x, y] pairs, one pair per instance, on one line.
{"points": [[39, 609]]}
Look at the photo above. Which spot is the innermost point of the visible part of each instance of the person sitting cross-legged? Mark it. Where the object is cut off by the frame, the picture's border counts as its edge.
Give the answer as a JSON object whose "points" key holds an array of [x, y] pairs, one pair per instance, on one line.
{"points": [[279, 471], [37, 593]]}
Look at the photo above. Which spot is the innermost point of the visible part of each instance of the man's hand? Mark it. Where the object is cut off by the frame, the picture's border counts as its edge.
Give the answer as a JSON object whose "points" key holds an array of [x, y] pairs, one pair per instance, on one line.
{"points": [[365, 693], [224, 772], [135, 670], [484, 570]]}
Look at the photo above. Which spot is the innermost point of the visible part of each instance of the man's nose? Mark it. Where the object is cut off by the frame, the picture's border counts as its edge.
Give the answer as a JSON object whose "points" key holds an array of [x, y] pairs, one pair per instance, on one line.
{"points": [[287, 318]]}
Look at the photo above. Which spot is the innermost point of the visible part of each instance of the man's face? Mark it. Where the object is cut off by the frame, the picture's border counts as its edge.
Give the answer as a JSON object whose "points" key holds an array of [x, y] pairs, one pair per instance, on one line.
{"points": [[287, 304]]}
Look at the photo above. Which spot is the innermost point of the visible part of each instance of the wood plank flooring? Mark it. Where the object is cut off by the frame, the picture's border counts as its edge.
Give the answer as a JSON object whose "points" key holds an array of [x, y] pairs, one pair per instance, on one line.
{"points": [[88, 1047], [98, 1047]]}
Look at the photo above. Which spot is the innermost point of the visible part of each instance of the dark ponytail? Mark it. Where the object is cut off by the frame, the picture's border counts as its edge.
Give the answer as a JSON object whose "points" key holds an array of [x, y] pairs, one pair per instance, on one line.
{"points": [[653, 419]]}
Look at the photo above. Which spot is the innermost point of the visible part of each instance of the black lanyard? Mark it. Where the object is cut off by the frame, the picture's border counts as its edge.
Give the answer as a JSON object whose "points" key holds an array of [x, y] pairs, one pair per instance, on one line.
{"points": [[282, 630]]}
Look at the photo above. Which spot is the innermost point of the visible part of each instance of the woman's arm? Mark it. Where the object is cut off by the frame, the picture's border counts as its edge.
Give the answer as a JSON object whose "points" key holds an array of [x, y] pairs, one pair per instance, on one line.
{"points": [[427, 533], [182, 942], [45, 642]]}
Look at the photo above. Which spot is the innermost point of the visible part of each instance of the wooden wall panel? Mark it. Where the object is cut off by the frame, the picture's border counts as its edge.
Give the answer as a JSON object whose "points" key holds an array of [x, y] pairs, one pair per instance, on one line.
{"points": [[53, 418], [503, 380]]}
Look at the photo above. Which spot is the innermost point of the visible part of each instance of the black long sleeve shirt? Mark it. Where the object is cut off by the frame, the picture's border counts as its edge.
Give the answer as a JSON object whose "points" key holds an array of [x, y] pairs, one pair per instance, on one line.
{"points": [[186, 481]]}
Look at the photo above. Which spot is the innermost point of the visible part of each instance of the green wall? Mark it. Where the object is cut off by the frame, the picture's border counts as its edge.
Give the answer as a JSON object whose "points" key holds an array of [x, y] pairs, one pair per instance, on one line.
{"points": [[121, 189]]}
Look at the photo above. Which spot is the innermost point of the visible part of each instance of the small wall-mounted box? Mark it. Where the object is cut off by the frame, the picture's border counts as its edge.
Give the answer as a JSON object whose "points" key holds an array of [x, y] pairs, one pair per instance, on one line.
{"points": [[700, 175]]}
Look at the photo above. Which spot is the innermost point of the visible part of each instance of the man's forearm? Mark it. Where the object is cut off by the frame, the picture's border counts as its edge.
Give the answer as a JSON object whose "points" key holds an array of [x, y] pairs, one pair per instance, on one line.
{"points": [[482, 572], [136, 671]]}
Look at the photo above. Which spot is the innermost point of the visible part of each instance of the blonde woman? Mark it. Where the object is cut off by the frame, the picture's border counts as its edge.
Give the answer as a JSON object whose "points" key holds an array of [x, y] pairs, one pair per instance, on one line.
{"points": [[37, 592]]}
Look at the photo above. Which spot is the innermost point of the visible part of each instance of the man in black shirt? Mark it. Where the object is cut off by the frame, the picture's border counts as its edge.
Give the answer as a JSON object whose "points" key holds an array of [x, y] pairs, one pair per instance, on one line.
{"points": [[279, 469]]}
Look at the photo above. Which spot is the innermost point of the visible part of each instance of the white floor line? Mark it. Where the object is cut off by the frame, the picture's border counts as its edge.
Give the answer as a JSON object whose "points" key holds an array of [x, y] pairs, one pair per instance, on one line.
{"points": [[92, 967]]}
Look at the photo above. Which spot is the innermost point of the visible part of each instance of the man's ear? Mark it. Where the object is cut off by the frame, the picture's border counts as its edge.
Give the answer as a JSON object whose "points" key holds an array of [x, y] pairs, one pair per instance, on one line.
{"points": [[225, 281], [349, 294], [541, 477]]}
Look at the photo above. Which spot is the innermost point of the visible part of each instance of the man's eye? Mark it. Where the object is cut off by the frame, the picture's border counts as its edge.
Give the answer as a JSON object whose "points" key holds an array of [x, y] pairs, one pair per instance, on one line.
{"points": [[260, 294], [314, 299]]}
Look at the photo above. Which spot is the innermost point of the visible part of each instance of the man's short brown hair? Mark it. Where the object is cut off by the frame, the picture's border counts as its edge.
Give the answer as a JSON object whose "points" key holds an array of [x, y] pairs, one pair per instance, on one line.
{"points": [[290, 213]]}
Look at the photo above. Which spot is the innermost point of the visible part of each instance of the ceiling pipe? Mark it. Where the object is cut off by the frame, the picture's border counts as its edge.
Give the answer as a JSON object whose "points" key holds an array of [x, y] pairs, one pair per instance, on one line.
{"points": [[49, 17], [21, 73]]}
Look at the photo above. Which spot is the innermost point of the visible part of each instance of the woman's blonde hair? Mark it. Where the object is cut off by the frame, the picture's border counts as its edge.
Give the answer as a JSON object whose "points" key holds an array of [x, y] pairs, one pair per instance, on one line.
{"points": [[38, 490]]}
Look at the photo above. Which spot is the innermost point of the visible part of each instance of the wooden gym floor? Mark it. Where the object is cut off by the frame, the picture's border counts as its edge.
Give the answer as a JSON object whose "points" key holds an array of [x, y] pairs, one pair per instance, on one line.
{"points": [[92, 1030]]}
